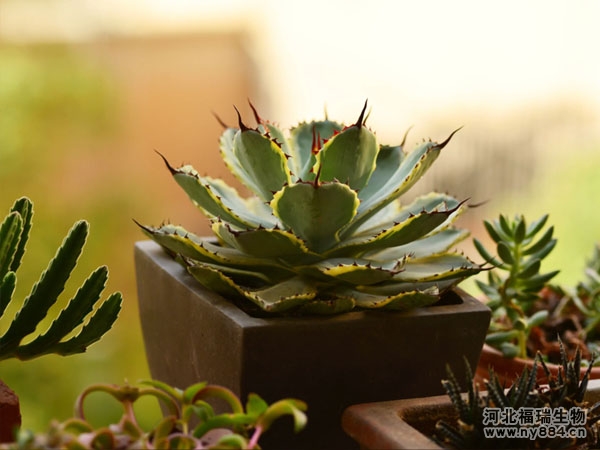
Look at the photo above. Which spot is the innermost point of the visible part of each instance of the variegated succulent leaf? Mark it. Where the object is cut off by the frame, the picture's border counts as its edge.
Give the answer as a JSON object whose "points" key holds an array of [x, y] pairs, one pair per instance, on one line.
{"points": [[305, 141], [349, 156], [316, 212], [410, 230], [392, 184]]}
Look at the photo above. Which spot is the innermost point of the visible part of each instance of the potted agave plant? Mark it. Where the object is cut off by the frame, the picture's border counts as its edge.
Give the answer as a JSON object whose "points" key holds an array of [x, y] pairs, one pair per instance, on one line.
{"points": [[20, 339], [529, 313], [259, 305], [563, 412]]}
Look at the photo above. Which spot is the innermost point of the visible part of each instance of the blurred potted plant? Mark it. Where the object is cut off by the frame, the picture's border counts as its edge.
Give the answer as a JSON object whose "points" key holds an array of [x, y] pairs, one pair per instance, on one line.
{"points": [[58, 338], [189, 421], [529, 314], [258, 307], [562, 413]]}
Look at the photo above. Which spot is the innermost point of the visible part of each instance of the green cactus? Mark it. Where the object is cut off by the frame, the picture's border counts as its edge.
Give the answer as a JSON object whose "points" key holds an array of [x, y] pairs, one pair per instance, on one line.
{"points": [[325, 231], [14, 233]]}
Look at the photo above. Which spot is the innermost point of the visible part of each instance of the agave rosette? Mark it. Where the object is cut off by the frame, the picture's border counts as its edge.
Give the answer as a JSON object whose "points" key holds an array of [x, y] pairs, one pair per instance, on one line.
{"points": [[324, 230]]}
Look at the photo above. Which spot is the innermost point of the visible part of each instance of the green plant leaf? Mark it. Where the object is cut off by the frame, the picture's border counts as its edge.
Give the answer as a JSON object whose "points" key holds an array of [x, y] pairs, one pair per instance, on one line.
{"points": [[24, 207], [46, 291], [505, 253], [7, 289], [10, 232], [411, 169], [349, 157], [73, 315], [301, 142], [316, 212], [292, 407], [100, 322], [263, 163], [407, 231]]}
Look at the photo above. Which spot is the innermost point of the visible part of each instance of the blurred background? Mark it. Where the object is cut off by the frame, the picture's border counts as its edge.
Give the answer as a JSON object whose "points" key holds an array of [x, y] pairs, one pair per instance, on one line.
{"points": [[89, 90]]}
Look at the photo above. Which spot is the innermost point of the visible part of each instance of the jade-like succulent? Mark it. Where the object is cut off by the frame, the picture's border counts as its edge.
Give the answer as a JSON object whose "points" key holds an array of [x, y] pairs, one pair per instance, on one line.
{"points": [[58, 338], [515, 283], [324, 230], [189, 421]]}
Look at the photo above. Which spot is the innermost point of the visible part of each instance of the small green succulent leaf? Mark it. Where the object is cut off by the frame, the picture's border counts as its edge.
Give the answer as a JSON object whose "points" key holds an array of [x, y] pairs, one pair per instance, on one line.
{"points": [[540, 247], [103, 439], [535, 227], [305, 140], [349, 157], [163, 429], [505, 253], [520, 230], [46, 291], [316, 212], [537, 318], [495, 232], [509, 350], [255, 406], [485, 254], [530, 268], [264, 163], [292, 407], [496, 338]]}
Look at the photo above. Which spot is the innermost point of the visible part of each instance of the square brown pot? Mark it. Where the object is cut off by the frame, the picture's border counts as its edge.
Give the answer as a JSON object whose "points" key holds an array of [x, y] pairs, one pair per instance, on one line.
{"points": [[192, 334]]}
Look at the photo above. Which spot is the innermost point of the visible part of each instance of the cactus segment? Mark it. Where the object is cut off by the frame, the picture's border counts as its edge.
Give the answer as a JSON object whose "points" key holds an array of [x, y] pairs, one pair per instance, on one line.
{"points": [[14, 233], [316, 212], [324, 231]]}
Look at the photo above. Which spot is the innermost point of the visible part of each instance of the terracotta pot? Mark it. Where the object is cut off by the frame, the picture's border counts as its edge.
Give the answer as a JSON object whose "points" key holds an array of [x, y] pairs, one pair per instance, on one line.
{"points": [[192, 334], [508, 369], [408, 423], [10, 413]]}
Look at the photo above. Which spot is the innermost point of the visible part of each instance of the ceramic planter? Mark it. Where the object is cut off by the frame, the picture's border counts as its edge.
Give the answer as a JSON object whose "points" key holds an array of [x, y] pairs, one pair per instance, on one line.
{"points": [[508, 369], [10, 413], [408, 423], [192, 334]]}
